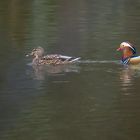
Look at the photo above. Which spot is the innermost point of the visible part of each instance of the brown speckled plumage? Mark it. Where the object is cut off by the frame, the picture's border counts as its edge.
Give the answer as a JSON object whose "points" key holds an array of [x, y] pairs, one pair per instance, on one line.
{"points": [[40, 59]]}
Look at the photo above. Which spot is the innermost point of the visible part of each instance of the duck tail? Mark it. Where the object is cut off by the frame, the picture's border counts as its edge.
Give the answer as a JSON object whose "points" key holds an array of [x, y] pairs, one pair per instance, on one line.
{"points": [[74, 59]]}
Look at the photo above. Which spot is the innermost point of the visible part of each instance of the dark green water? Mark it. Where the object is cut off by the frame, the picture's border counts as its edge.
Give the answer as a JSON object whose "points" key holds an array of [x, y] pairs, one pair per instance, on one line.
{"points": [[98, 99]]}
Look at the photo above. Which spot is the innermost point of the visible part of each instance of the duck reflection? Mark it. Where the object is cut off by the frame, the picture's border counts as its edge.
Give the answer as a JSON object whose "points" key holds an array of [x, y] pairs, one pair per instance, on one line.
{"points": [[128, 75], [40, 72]]}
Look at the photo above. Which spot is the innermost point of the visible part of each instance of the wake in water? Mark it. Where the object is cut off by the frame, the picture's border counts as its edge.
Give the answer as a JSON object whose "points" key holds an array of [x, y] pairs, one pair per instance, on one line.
{"points": [[99, 61], [39, 71]]}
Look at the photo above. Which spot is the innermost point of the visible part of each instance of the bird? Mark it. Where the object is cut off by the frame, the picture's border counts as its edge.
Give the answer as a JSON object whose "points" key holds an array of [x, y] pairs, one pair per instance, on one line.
{"points": [[129, 53], [39, 58]]}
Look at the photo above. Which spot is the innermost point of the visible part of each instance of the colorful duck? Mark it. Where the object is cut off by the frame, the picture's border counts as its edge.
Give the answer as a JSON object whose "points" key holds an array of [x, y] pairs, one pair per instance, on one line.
{"points": [[129, 53], [40, 59]]}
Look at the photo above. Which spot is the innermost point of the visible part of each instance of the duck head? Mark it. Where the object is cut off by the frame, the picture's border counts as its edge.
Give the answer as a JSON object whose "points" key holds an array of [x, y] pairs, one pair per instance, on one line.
{"points": [[127, 49], [36, 53]]}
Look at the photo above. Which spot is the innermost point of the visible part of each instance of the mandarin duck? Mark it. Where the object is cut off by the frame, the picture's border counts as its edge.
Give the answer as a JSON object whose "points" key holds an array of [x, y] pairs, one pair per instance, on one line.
{"points": [[129, 53]]}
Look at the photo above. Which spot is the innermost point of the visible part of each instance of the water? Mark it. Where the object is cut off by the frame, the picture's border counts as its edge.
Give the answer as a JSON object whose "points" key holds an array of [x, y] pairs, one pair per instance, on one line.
{"points": [[98, 98]]}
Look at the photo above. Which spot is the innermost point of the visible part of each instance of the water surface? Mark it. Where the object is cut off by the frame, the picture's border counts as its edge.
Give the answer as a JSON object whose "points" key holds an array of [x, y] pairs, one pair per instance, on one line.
{"points": [[98, 98]]}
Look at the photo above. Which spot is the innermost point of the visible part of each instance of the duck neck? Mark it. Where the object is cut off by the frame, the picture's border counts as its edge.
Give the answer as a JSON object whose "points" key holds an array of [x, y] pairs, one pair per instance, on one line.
{"points": [[36, 60], [127, 53]]}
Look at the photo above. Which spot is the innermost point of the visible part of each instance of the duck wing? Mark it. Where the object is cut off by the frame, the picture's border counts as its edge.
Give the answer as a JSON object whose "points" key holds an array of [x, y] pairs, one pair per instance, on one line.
{"points": [[69, 58], [61, 58], [51, 57]]}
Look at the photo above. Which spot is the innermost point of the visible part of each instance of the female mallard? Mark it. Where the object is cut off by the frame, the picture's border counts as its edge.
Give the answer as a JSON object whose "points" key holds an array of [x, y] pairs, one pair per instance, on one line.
{"points": [[129, 53], [39, 58]]}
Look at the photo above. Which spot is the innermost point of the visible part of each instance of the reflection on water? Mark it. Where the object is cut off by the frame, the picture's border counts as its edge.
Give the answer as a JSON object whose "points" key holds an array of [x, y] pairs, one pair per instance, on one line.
{"points": [[127, 76], [40, 72]]}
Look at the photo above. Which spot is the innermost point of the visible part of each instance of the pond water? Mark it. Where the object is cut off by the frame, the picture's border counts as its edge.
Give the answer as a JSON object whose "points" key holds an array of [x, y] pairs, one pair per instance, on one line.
{"points": [[98, 98]]}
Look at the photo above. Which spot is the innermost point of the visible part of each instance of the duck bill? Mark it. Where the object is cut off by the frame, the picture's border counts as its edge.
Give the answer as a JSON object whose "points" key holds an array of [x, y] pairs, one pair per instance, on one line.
{"points": [[29, 54], [119, 49]]}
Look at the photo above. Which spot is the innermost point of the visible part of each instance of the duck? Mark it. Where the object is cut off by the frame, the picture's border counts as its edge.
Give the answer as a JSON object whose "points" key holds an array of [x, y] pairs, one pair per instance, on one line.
{"points": [[129, 53], [39, 58]]}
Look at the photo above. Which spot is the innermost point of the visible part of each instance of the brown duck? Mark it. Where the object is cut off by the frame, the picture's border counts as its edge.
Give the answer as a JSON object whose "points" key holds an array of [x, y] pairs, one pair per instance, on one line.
{"points": [[40, 59]]}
